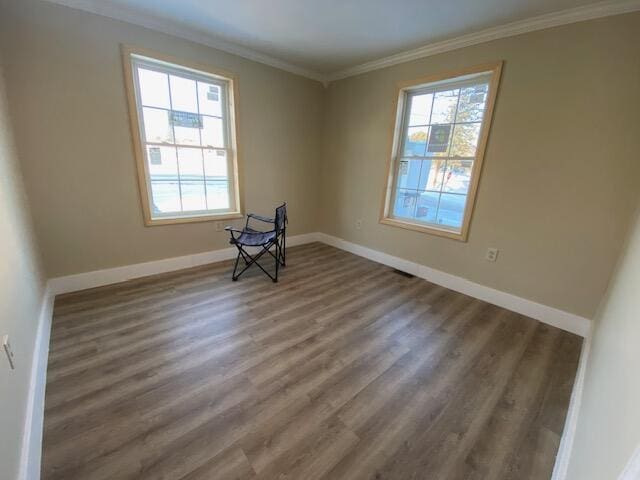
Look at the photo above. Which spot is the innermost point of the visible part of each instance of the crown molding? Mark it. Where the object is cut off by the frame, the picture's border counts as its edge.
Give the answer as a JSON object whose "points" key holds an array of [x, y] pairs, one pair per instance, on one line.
{"points": [[108, 9], [564, 17], [541, 22]]}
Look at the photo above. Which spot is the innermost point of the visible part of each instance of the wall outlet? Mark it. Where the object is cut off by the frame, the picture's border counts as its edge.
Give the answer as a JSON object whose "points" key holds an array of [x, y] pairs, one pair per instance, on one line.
{"points": [[359, 224], [219, 227], [491, 255], [8, 351]]}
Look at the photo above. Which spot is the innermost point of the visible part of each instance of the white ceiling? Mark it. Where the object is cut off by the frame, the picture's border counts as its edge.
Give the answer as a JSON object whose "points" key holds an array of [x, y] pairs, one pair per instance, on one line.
{"points": [[324, 38]]}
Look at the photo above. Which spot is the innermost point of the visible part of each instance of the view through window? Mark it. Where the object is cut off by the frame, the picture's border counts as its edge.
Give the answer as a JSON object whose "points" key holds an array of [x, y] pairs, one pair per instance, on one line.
{"points": [[184, 127], [437, 148]]}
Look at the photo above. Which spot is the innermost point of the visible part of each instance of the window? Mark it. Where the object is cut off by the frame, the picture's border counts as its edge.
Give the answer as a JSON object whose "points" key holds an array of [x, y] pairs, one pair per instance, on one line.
{"points": [[441, 129], [183, 123]]}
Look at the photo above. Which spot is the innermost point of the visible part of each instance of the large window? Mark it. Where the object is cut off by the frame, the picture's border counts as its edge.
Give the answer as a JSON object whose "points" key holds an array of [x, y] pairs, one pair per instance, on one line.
{"points": [[183, 121], [440, 134]]}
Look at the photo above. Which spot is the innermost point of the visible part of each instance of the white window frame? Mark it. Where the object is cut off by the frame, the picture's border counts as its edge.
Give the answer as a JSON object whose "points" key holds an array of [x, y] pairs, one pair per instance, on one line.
{"points": [[134, 57], [401, 112]]}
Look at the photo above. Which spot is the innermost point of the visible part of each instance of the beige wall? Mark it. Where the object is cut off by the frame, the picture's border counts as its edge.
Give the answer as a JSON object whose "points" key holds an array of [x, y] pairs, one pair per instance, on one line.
{"points": [[559, 187], [608, 428], [68, 104], [21, 294], [557, 190], [561, 172]]}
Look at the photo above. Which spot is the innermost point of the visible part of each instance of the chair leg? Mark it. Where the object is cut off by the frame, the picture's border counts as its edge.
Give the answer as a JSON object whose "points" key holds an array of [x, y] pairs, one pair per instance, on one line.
{"points": [[235, 267], [245, 257], [254, 260], [284, 247], [275, 280], [280, 248]]}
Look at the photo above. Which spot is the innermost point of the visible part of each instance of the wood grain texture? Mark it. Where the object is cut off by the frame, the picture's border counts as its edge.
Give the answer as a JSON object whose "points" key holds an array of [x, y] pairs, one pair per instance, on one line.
{"points": [[343, 370]]}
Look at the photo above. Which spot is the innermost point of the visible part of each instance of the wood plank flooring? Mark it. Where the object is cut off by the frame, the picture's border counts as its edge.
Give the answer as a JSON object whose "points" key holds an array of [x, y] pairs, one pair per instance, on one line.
{"points": [[343, 370]]}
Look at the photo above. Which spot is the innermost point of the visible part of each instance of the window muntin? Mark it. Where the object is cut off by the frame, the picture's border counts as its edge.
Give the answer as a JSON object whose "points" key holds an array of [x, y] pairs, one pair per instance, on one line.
{"points": [[440, 128], [185, 128]]}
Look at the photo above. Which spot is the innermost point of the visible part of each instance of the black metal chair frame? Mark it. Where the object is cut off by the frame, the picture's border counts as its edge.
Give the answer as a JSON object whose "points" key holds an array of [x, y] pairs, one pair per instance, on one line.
{"points": [[265, 240]]}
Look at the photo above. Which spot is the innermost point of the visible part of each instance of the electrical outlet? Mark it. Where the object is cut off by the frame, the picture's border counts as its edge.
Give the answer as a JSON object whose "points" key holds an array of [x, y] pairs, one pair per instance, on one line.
{"points": [[359, 224], [7, 349], [219, 227], [491, 255]]}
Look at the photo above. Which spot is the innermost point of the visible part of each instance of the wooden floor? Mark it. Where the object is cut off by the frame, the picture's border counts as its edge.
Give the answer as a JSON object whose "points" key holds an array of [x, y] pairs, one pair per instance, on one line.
{"points": [[345, 369]]}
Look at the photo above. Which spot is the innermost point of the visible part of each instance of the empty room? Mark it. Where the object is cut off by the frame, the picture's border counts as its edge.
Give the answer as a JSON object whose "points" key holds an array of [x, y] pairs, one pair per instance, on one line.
{"points": [[343, 240]]}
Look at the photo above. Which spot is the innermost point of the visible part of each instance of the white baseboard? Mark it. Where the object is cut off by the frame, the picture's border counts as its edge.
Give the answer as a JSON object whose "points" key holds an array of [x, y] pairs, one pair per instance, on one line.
{"points": [[632, 469], [552, 316], [571, 421], [32, 437], [549, 315], [32, 441], [99, 278]]}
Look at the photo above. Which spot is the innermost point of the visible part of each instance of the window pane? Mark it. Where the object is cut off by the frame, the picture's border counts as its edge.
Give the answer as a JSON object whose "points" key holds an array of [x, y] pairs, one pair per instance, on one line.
{"points": [[415, 141], [193, 196], [444, 106], [465, 140], [183, 94], [212, 133], [210, 99], [409, 173], [192, 179], [472, 102], [432, 175], [217, 195], [156, 125], [187, 127], [162, 163], [420, 109], [163, 173], [458, 176], [216, 169], [405, 204], [191, 165], [165, 195], [451, 210], [154, 88], [439, 140], [427, 207], [215, 163]]}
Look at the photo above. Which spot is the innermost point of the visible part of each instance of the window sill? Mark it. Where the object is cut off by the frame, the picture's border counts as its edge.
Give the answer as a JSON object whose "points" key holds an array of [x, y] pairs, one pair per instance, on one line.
{"points": [[194, 219], [431, 230]]}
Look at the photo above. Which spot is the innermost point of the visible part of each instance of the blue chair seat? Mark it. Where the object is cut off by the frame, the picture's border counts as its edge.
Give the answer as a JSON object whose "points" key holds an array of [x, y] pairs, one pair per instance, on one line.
{"points": [[256, 239]]}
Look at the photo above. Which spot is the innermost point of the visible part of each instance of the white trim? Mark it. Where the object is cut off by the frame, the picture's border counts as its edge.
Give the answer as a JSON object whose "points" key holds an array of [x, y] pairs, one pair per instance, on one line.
{"points": [[571, 421], [632, 470], [98, 278], [555, 19], [549, 315], [552, 316], [32, 436], [152, 22], [32, 439], [540, 22]]}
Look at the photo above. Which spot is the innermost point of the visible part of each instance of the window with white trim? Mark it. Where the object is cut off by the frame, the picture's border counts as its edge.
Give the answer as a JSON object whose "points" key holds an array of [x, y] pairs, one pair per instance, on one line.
{"points": [[441, 131], [184, 120]]}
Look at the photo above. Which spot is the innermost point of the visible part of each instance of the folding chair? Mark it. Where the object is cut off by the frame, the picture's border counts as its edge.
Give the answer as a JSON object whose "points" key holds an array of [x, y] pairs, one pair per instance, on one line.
{"points": [[250, 237]]}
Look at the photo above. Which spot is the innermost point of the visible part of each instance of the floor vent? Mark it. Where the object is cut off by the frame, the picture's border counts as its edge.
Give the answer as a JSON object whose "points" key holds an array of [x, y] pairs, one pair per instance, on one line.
{"points": [[404, 274]]}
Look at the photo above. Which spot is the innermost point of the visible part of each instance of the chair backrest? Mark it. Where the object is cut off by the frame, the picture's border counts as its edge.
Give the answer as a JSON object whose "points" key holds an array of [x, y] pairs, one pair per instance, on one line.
{"points": [[281, 218]]}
